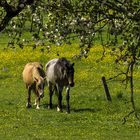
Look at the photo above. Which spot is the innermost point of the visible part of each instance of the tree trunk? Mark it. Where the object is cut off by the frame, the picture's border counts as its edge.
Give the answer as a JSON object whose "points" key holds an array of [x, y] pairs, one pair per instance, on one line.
{"points": [[132, 89], [106, 89], [131, 93]]}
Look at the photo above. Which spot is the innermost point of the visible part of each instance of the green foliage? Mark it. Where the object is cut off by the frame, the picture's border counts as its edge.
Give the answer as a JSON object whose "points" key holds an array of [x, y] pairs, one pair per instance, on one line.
{"points": [[92, 117], [114, 23]]}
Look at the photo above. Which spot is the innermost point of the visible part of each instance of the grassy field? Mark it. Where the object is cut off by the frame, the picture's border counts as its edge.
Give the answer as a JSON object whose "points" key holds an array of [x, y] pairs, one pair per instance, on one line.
{"points": [[91, 117]]}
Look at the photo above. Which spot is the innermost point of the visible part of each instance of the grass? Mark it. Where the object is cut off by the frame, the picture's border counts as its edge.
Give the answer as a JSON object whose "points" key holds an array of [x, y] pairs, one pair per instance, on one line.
{"points": [[91, 117]]}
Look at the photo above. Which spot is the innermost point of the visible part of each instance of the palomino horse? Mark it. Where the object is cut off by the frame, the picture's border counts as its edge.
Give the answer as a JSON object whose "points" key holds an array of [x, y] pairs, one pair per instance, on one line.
{"points": [[34, 78], [59, 74]]}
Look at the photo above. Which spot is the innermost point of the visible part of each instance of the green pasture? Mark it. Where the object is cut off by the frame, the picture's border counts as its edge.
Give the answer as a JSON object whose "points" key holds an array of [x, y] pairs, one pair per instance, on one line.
{"points": [[92, 117]]}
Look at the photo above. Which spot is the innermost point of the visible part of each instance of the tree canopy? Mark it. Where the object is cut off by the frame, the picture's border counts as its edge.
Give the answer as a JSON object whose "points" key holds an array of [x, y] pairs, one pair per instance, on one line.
{"points": [[64, 20], [113, 22]]}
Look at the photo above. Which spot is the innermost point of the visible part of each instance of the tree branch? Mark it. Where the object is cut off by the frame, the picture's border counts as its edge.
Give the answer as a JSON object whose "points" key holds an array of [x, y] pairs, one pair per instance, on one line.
{"points": [[12, 11]]}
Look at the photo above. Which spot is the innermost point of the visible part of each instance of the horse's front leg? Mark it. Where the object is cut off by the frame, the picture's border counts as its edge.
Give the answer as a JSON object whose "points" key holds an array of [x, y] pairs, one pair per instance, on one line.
{"points": [[59, 107], [28, 105], [67, 100], [37, 103], [37, 100]]}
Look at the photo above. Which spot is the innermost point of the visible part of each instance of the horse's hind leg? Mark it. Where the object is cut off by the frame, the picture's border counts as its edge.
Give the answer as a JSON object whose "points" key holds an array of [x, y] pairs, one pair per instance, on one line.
{"points": [[67, 100], [28, 105], [50, 94], [59, 107]]}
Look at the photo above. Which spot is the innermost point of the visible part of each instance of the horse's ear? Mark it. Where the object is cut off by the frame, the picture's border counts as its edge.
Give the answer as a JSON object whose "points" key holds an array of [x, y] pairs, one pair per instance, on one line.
{"points": [[72, 64], [39, 69]]}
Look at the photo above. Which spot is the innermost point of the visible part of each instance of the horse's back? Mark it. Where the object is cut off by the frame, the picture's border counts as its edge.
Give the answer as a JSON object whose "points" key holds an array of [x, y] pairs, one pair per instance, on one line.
{"points": [[30, 70], [51, 62], [27, 73], [56, 70], [50, 74]]}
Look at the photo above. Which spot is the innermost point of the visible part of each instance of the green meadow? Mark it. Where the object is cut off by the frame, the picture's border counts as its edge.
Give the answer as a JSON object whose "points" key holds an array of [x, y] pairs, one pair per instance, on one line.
{"points": [[92, 117]]}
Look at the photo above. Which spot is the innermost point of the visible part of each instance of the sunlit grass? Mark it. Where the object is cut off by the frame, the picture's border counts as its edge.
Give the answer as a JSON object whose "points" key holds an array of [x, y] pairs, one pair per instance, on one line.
{"points": [[92, 117]]}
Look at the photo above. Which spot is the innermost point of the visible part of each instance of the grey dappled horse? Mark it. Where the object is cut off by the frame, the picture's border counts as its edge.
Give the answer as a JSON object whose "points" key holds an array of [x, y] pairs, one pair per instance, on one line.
{"points": [[59, 74]]}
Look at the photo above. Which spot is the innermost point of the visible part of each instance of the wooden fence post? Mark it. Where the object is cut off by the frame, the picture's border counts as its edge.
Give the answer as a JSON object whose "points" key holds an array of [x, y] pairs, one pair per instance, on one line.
{"points": [[106, 89]]}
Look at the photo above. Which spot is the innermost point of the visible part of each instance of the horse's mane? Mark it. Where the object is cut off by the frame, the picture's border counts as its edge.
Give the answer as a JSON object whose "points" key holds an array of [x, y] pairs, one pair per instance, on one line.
{"points": [[60, 67], [63, 61], [40, 71]]}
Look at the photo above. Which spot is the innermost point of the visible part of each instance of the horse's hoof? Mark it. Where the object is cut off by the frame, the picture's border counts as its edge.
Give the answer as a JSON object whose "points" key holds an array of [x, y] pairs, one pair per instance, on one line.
{"points": [[67, 112], [37, 107], [59, 109], [49, 107], [28, 105]]}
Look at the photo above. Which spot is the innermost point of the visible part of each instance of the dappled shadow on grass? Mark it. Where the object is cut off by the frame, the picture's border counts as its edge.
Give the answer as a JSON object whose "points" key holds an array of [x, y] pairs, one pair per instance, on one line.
{"points": [[93, 110], [45, 106], [5, 76], [54, 106]]}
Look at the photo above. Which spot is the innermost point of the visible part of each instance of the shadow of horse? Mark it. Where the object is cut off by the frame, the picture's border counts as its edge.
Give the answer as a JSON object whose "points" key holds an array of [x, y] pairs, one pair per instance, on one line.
{"points": [[93, 110]]}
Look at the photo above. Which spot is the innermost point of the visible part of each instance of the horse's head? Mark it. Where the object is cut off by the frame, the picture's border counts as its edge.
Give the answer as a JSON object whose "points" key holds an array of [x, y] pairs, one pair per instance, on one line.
{"points": [[70, 74], [40, 86]]}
